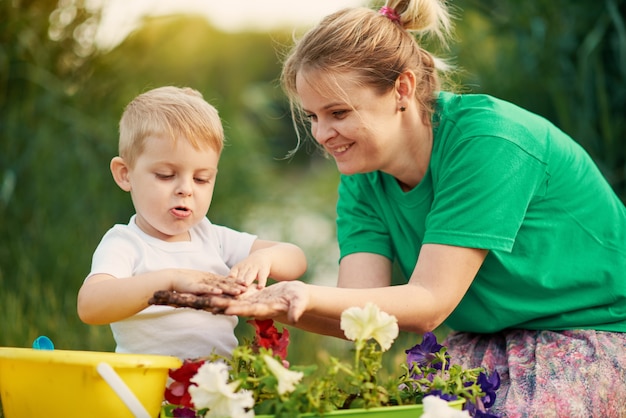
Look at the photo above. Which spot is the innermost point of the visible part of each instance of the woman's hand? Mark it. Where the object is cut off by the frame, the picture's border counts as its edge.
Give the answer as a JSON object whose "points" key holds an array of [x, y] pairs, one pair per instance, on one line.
{"points": [[280, 299]]}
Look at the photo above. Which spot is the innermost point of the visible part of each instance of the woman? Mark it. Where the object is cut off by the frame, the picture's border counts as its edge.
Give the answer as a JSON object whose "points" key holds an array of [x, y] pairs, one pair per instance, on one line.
{"points": [[505, 229]]}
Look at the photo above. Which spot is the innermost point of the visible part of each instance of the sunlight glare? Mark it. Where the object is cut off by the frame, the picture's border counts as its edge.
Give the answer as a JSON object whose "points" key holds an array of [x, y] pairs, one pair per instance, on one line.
{"points": [[121, 17]]}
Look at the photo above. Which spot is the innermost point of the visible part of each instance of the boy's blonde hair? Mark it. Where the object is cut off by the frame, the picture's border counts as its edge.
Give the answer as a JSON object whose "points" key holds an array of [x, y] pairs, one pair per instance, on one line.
{"points": [[173, 113]]}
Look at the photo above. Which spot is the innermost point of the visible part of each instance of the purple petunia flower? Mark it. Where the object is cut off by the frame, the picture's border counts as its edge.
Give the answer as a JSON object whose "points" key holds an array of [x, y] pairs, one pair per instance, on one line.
{"points": [[489, 385], [423, 354]]}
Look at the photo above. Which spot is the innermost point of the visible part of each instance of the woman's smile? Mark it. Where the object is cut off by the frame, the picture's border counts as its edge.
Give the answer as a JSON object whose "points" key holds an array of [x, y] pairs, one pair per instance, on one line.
{"points": [[339, 150]]}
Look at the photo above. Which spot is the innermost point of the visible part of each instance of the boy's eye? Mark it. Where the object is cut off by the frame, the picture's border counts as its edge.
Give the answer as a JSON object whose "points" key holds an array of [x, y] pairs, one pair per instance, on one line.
{"points": [[164, 176], [201, 180]]}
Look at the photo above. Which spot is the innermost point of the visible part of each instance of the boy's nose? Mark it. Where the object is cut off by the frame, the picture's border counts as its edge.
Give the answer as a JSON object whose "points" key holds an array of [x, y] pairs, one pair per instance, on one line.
{"points": [[183, 188]]}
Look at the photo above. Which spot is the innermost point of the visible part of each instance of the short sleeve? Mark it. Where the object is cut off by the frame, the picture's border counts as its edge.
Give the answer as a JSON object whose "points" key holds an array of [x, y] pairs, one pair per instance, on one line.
{"points": [[483, 188], [234, 245], [116, 254]]}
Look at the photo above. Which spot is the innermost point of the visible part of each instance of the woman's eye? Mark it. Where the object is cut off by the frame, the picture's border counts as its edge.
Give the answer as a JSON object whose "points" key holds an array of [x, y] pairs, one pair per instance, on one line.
{"points": [[339, 114], [311, 117]]}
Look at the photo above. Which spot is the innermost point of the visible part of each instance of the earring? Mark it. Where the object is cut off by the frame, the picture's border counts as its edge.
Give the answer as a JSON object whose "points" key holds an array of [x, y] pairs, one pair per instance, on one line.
{"points": [[402, 108]]}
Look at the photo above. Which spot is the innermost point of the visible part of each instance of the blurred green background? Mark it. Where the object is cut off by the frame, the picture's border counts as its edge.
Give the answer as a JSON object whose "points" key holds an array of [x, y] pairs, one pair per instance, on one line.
{"points": [[61, 98]]}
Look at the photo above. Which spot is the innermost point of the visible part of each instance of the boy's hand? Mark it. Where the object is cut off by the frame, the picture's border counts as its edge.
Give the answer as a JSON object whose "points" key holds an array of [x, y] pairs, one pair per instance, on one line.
{"points": [[205, 283], [184, 300], [255, 268]]}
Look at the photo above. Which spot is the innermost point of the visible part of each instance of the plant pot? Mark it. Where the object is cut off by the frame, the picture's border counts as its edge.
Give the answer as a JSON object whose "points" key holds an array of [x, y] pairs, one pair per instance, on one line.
{"points": [[402, 411]]}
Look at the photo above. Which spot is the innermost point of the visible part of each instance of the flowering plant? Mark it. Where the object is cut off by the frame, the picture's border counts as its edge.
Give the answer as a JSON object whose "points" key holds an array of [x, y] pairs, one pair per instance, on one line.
{"points": [[257, 379]]}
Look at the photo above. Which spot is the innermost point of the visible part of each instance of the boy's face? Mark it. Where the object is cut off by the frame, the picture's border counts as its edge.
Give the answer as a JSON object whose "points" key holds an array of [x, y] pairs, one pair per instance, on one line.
{"points": [[171, 185]]}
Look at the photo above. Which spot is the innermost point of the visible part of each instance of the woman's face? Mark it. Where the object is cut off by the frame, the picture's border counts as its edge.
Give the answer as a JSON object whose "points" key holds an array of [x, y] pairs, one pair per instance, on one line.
{"points": [[358, 126]]}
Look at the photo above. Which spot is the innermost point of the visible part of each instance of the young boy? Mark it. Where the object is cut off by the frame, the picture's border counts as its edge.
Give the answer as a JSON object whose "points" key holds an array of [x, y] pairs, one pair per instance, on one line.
{"points": [[169, 148]]}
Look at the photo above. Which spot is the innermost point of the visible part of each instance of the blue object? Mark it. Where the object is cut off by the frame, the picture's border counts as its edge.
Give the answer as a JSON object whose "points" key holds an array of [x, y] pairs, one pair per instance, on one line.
{"points": [[43, 343]]}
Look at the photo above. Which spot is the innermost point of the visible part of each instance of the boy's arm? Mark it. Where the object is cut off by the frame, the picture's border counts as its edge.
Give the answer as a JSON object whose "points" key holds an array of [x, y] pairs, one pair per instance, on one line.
{"points": [[279, 260], [103, 298]]}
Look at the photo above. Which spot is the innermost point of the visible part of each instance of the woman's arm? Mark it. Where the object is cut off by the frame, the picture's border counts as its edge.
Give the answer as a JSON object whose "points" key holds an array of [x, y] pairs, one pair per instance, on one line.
{"points": [[359, 270], [440, 279]]}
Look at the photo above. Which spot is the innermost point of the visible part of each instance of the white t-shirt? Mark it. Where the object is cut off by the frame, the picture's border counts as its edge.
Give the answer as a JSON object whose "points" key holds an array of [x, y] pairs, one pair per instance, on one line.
{"points": [[186, 333]]}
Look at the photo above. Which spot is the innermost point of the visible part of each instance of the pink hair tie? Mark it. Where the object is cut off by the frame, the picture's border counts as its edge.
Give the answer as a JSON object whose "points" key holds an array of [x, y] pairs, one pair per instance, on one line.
{"points": [[390, 13]]}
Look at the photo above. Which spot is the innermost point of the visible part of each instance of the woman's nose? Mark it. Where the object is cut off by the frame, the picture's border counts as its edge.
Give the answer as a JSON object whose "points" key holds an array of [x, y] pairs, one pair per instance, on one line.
{"points": [[323, 132]]}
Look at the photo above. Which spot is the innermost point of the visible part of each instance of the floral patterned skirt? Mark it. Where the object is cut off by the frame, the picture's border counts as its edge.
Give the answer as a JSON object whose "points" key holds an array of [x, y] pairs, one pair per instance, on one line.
{"points": [[580, 373]]}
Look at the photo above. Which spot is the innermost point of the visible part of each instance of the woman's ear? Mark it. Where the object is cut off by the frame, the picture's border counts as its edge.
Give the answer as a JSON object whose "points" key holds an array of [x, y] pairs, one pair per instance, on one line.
{"points": [[120, 172], [405, 88]]}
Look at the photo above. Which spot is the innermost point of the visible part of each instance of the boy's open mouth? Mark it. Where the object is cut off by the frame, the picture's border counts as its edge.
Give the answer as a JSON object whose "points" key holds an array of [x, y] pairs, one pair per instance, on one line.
{"points": [[180, 211]]}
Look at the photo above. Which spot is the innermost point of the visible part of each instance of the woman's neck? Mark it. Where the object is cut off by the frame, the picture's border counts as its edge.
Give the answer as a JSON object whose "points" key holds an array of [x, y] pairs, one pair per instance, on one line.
{"points": [[414, 158]]}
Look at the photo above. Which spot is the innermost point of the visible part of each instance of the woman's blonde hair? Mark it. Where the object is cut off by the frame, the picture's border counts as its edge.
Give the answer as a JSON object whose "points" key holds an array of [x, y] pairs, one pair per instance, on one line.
{"points": [[373, 45], [169, 112]]}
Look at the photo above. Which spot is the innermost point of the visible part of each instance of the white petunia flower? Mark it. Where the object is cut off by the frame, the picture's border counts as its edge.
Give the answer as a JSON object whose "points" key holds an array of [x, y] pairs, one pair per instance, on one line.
{"points": [[287, 379], [214, 392], [369, 322], [435, 407]]}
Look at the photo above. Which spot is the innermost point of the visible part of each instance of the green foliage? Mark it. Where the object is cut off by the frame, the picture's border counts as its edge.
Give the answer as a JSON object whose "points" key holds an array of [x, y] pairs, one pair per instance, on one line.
{"points": [[561, 59], [449, 378], [256, 373], [47, 152]]}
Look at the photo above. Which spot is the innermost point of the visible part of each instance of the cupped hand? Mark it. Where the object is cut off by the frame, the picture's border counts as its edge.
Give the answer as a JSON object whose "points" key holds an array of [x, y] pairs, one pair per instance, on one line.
{"points": [[280, 299]]}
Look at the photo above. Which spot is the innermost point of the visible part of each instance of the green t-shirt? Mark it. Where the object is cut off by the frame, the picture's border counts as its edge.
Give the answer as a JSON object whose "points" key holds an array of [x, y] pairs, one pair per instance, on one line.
{"points": [[503, 179]]}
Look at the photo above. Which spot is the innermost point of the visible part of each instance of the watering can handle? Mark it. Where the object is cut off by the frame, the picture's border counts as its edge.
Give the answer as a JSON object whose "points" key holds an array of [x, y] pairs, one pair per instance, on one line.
{"points": [[122, 390]]}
